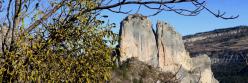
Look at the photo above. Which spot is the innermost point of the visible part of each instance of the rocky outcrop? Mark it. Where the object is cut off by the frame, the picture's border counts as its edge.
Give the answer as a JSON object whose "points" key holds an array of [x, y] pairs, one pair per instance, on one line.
{"points": [[172, 53], [202, 64], [138, 40], [227, 49], [163, 50], [135, 71]]}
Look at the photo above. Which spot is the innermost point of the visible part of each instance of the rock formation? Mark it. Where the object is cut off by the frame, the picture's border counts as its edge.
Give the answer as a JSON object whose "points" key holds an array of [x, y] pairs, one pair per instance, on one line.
{"points": [[136, 71], [227, 49], [164, 50], [172, 53], [202, 64], [138, 40]]}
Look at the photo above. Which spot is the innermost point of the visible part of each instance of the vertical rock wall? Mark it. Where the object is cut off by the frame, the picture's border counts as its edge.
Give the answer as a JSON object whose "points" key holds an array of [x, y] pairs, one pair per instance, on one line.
{"points": [[172, 53], [138, 40], [163, 49]]}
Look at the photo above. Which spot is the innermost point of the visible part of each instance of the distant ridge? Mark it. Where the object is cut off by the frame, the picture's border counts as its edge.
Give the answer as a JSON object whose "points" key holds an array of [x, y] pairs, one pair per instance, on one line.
{"points": [[227, 49], [240, 27]]}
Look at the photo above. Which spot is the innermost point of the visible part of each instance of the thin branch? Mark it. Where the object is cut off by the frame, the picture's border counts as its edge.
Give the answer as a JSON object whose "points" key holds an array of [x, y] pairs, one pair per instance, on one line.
{"points": [[218, 14], [184, 12], [137, 2], [175, 75], [138, 9], [108, 6], [119, 11], [45, 17], [1, 4], [7, 33], [16, 21]]}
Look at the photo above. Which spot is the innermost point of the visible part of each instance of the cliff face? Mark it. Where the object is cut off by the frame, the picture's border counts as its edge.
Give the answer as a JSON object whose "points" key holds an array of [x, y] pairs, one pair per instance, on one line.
{"points": [[227, 48], [171, 49], [163, 50], [138, 40]]}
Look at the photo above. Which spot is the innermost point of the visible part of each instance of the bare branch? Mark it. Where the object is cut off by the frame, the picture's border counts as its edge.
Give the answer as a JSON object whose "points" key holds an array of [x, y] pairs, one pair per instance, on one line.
{"points": [[8, 30], [45, 17], [137, 2], [218, 14], [1, 4], [163, 6], [119, 11], [16, 21]]}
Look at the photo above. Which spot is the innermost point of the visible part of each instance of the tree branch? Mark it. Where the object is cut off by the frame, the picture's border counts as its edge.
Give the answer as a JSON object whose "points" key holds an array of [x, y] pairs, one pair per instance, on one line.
{"points": [[45, 17], [163, 7], [218, 14], [137, 2], [8, 28], [16, 20]]}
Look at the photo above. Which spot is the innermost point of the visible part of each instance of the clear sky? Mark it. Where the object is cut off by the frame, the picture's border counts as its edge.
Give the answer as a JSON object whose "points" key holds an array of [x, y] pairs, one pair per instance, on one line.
{"points": [[187, 24], [203, 22]]}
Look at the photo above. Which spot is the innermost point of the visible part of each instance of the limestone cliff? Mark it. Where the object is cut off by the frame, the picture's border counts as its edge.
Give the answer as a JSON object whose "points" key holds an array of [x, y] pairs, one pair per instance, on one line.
{"points": [[138, 40], [172, 53], [163, 50]]}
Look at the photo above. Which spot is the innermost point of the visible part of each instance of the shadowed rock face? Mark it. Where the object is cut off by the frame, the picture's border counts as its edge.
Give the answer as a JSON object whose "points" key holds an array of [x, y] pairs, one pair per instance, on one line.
{"points": [[227, 48], [164, 50]]}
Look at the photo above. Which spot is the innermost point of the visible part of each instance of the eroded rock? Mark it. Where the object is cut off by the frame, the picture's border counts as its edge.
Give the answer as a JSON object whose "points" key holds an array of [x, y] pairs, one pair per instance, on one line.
{"points": [[163, 50], [138, 40], [172, 53]]}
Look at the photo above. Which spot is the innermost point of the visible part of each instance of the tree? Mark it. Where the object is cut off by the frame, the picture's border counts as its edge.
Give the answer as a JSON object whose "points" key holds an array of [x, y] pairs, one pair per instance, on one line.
{"points": [[59, 50], [64, 40]]}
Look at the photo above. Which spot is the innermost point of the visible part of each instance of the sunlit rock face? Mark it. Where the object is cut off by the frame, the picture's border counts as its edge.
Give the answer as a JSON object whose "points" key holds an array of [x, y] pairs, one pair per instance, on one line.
{"points": [[200, 73], [172, 53], [138, 40], [164, 50], [202, 65]]}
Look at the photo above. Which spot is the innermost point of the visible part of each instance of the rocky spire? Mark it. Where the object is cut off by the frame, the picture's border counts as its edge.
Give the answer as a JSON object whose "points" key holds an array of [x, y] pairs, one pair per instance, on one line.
{"points": [[163, 49], [138, 40]]}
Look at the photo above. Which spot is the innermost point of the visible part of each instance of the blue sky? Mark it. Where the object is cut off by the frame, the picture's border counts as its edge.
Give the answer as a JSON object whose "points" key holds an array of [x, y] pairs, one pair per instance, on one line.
{"points": [[187, 24], [203, 22]]}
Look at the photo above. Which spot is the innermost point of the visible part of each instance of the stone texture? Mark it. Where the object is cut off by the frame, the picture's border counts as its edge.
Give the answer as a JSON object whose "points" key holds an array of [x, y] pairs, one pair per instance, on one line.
{"points": [[163, 49], [173, 57], [138, 40], [172, 53], [202, 65]]}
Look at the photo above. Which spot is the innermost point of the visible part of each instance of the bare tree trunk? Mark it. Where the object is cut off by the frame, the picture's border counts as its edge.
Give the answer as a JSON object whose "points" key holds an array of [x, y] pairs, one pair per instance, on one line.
{"points": [[16, 21]]}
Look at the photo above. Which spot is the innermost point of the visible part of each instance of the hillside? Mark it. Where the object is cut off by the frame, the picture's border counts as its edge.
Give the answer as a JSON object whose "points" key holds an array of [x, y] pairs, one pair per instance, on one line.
{"points": [[228, 50]]}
